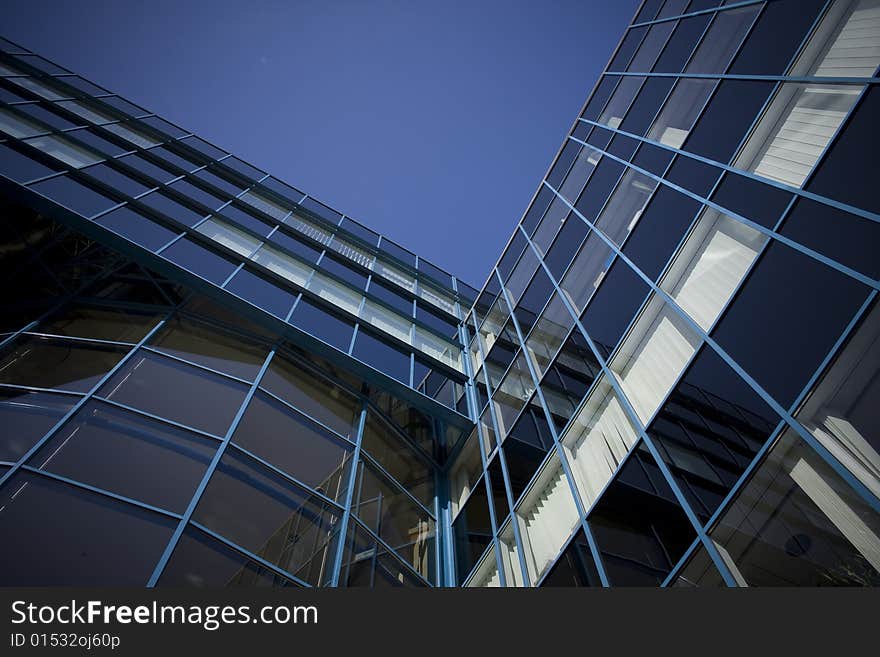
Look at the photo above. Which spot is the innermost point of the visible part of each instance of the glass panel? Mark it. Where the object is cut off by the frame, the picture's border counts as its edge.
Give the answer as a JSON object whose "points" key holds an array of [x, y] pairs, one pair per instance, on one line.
{"points": [[722, 40], [549, 333], [100, 323], [208, 346], [125, 453], [845, 43], [398, 459], [64, 150], [283, 265], [575, 567], [386, 320], [486, 573], [641, 530], [52, 363], [598, 439], [465, 471], [623, 96], [680, 112], [229, 236], [797, 522], [292, 443], [322, 324], [711, 264], [278, 521], [18, 126], [511, 395], [614, 306], [336, 293], [313, 395], [176, 391], [510, 557], [472, 531], [626, 205], [547, 516], [587, 271], [394, 274], [66, 536], [264, 205], [368, 563], [438, 348], [26, 417]]}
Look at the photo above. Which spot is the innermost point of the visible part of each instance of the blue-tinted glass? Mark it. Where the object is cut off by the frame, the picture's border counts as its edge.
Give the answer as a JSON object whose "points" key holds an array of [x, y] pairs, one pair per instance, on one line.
{"points": [[651, 45], [648, 11], [171, 208], [672, 8], [567, 242], [144, 166], [56, 542], [627, 48], [96, 143], [348, 274], [847, 238], [568, 378], [850, 170], [646, 105], [660, 229], [653, 159], [536, 211], [533, 300], [695, 176], [392, 298], [759, 202], [51, 119], [293, 245], [598, 188], [600, 97], [563, 163], [246, 220], [196, 194], [639, 526], [116, 179], [199, 260], [313, 319], [710, 429], [797, 325], [436, 273], [260, 292], [222, 184], [124, 106], [122, 452], [326, 213], [26, 416], [599, 137], [171, 389], [167, 157], [681, 44], [727, 118], [613, 306], [74, 195], [398, 252], [203, 148], [776, 36], [580, 132], [722, 40], [137, 228], [21, 168], [623, 146], [361, 231], [382, 356], [443, 326], [243, 169], [163, 126]]}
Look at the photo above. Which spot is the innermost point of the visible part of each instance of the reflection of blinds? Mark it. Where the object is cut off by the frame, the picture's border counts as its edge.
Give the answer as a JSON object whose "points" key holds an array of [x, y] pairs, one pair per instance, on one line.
{"points": [[802, 135], [656, 363], [856, 50], [549, 516], [716, 269], [600, 448]]}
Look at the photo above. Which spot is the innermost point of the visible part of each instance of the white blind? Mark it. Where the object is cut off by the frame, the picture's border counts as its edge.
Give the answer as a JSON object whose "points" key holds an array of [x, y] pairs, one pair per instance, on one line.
{"points": [[855, 51], [721, 256]]}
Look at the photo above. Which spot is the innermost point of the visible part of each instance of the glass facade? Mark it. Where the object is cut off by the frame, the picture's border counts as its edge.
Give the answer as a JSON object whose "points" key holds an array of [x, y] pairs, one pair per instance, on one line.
{"points": [[210, 378]]}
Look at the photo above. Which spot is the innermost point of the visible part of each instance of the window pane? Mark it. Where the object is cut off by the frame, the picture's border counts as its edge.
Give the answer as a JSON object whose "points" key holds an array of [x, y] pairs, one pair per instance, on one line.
{"points": [[136, 228], [65, 536], [614, 306], [65, 151], [472, 531], [229, 236], [399, 459], [125, 454], [26, 417], [722, 40], [623, 96], [176, 391], [322, 324], [52, 363], [587, 271], [798, 523], [283, 265], [680, 111], [625, 206], [101, 323]]}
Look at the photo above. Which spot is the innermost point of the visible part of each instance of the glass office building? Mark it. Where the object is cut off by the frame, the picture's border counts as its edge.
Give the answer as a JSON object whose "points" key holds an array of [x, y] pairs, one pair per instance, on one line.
{"points": [[209, 378]]}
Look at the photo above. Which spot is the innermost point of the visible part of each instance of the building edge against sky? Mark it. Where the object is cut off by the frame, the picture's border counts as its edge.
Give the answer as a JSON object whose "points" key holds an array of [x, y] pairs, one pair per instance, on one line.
{"points": [[209, 378]]}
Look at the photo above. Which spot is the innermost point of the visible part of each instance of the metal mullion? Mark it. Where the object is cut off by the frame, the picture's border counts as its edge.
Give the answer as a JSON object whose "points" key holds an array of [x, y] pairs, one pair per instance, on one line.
{"points": [[74, 338], [390, 551], [194, 364], [349, 500], [382, 471], [303, 414], [158, 418], [247, 554], [103, 492], [711, 10], [796, 79], [76, 407], [16, 386], [212, 467]]}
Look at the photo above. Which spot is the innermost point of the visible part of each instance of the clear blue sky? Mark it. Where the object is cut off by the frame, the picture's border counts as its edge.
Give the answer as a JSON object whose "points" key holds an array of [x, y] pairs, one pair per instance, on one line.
{"points": [[432, 123]]}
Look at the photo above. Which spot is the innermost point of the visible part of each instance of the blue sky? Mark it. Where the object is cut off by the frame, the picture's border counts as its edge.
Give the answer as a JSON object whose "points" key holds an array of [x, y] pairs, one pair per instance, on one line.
{"points": [[432, 123]]}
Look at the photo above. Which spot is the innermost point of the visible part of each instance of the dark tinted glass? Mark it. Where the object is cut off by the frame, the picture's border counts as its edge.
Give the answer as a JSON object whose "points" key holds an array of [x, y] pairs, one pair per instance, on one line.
{"points": [[171, 208], [26, 416], [598, 188], [321, 323], [563, 163], [74, 195], [614, 306], [115, 179], [627, 48], [383, 357], [646, 105], [797, 324], [761, 203], [652, 158], [727, 118], [695, 176], [600, 97], [847, 238], [101, 323], [567, 242], [850, 170], [292, 443], [22, 168], [397, 301], [472, 530], [533, 300], [54, 363], [640, 528], [623, 146], [710, 430], [368, 563], [66, 536], [199, 260], [651, 46], [599, 137], [776, 36], [306, 252], [123, 453], [681, 44], [180, 392], [262, 293], [137, 228], [533, 216], [344, 272], [575, 566], [660, 229], [568, 378]]}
